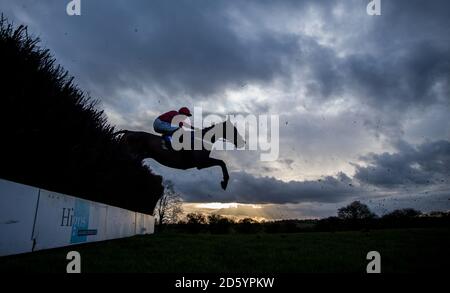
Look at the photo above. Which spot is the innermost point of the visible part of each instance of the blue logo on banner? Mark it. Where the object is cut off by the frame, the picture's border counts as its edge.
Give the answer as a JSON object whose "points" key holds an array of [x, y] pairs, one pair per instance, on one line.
{"points": [[80, 222]]}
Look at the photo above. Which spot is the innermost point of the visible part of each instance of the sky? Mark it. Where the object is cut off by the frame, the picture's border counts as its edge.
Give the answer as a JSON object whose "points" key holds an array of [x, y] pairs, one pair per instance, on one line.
{"points": [[363, 101]]}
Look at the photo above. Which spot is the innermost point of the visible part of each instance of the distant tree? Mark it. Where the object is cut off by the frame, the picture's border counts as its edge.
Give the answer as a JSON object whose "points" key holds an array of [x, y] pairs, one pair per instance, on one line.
{"points": [[195, 218], [282, 226], [402, 214], [248, 225], [438, 214], [169, 207], [248, 221], [329, 224], [219, 224], [355, 211], [195, 222]]}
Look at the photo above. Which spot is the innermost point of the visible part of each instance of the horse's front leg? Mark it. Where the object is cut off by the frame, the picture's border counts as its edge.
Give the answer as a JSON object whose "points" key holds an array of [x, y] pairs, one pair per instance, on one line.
{"points": [[226, 177], [214, 162]]}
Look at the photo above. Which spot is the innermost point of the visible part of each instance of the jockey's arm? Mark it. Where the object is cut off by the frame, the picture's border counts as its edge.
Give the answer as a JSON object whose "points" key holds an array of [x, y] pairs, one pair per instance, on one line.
{"points": [[181, 124]]}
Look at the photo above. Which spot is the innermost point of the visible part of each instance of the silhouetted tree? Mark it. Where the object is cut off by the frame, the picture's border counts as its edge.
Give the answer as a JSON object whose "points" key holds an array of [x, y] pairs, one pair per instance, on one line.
{"points": [[219, 224], [282, 226], [438, 214], [248, 225], [329, 224], [169, 207], [355, 211], [402, 214], [195, 222]]}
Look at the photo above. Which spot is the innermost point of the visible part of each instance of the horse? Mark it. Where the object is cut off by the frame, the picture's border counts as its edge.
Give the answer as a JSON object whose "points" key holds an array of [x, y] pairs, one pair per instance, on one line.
{"points": [[143, 145]]}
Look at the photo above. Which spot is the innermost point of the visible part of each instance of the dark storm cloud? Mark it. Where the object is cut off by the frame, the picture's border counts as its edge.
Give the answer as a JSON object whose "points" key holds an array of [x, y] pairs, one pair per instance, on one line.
{"points": [[399, 61], [426, 164], [194, 47], [412, 20], [398, 81], [246, 188], [397, 74], [184, 47]]}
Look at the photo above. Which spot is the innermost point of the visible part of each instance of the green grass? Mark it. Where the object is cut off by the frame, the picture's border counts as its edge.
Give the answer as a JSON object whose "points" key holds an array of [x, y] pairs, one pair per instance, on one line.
{"points": [[407, 250]]}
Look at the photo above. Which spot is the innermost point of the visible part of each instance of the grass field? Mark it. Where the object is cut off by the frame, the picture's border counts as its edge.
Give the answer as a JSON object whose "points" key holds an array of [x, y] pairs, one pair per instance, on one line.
{"points": [[412, 250]]}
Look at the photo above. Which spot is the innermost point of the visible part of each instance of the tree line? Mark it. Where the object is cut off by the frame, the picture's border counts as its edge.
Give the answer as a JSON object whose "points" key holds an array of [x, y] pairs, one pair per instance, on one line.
{"points": [[355, 216]]}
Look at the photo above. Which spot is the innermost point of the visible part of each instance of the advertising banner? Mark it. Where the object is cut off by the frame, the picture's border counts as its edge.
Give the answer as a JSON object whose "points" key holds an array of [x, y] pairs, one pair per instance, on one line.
{"points": [[33, 219]]}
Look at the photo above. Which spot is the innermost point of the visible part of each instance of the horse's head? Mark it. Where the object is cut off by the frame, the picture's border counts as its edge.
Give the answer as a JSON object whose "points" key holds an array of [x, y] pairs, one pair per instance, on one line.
{"points": [[227, 131], [231, 134]]}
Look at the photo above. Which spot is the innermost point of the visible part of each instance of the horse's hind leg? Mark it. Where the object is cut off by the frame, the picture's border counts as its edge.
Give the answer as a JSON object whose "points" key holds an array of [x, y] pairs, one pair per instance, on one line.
{"points": [[214, 162]]}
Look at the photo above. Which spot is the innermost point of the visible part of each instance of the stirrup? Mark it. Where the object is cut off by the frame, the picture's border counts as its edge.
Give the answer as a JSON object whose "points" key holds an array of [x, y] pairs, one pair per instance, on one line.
{"points": [[166, 143]]}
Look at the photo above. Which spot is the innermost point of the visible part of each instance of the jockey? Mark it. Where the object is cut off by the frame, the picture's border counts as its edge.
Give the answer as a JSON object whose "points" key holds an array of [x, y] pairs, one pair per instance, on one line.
{"points": [[163, 124]]}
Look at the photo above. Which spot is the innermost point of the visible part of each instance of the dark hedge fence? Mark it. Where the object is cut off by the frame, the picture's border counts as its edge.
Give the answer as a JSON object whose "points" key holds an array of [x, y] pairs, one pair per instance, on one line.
{"points": [[54, 137]]}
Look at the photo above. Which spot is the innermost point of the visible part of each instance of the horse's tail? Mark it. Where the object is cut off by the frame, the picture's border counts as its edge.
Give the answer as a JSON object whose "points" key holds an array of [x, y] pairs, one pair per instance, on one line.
{"points": [[120, 132]]}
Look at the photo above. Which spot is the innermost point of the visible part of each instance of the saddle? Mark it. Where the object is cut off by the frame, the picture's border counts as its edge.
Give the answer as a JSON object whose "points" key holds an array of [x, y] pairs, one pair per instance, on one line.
{"points": [[166, 141]]}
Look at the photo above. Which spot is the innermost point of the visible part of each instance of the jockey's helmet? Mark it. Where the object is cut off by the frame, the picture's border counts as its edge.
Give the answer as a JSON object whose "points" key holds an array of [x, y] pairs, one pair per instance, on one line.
{"points": [[185, 111]]}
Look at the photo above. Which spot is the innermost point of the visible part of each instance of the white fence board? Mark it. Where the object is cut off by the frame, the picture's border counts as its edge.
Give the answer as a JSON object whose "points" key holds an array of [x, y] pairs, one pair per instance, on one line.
{"points": [[18, 207], [120, 223], [145, 224], [33, 219]]}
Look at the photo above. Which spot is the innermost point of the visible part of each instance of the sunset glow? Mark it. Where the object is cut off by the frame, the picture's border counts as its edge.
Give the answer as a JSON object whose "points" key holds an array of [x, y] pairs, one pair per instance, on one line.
{"points": [[220, 205]]}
